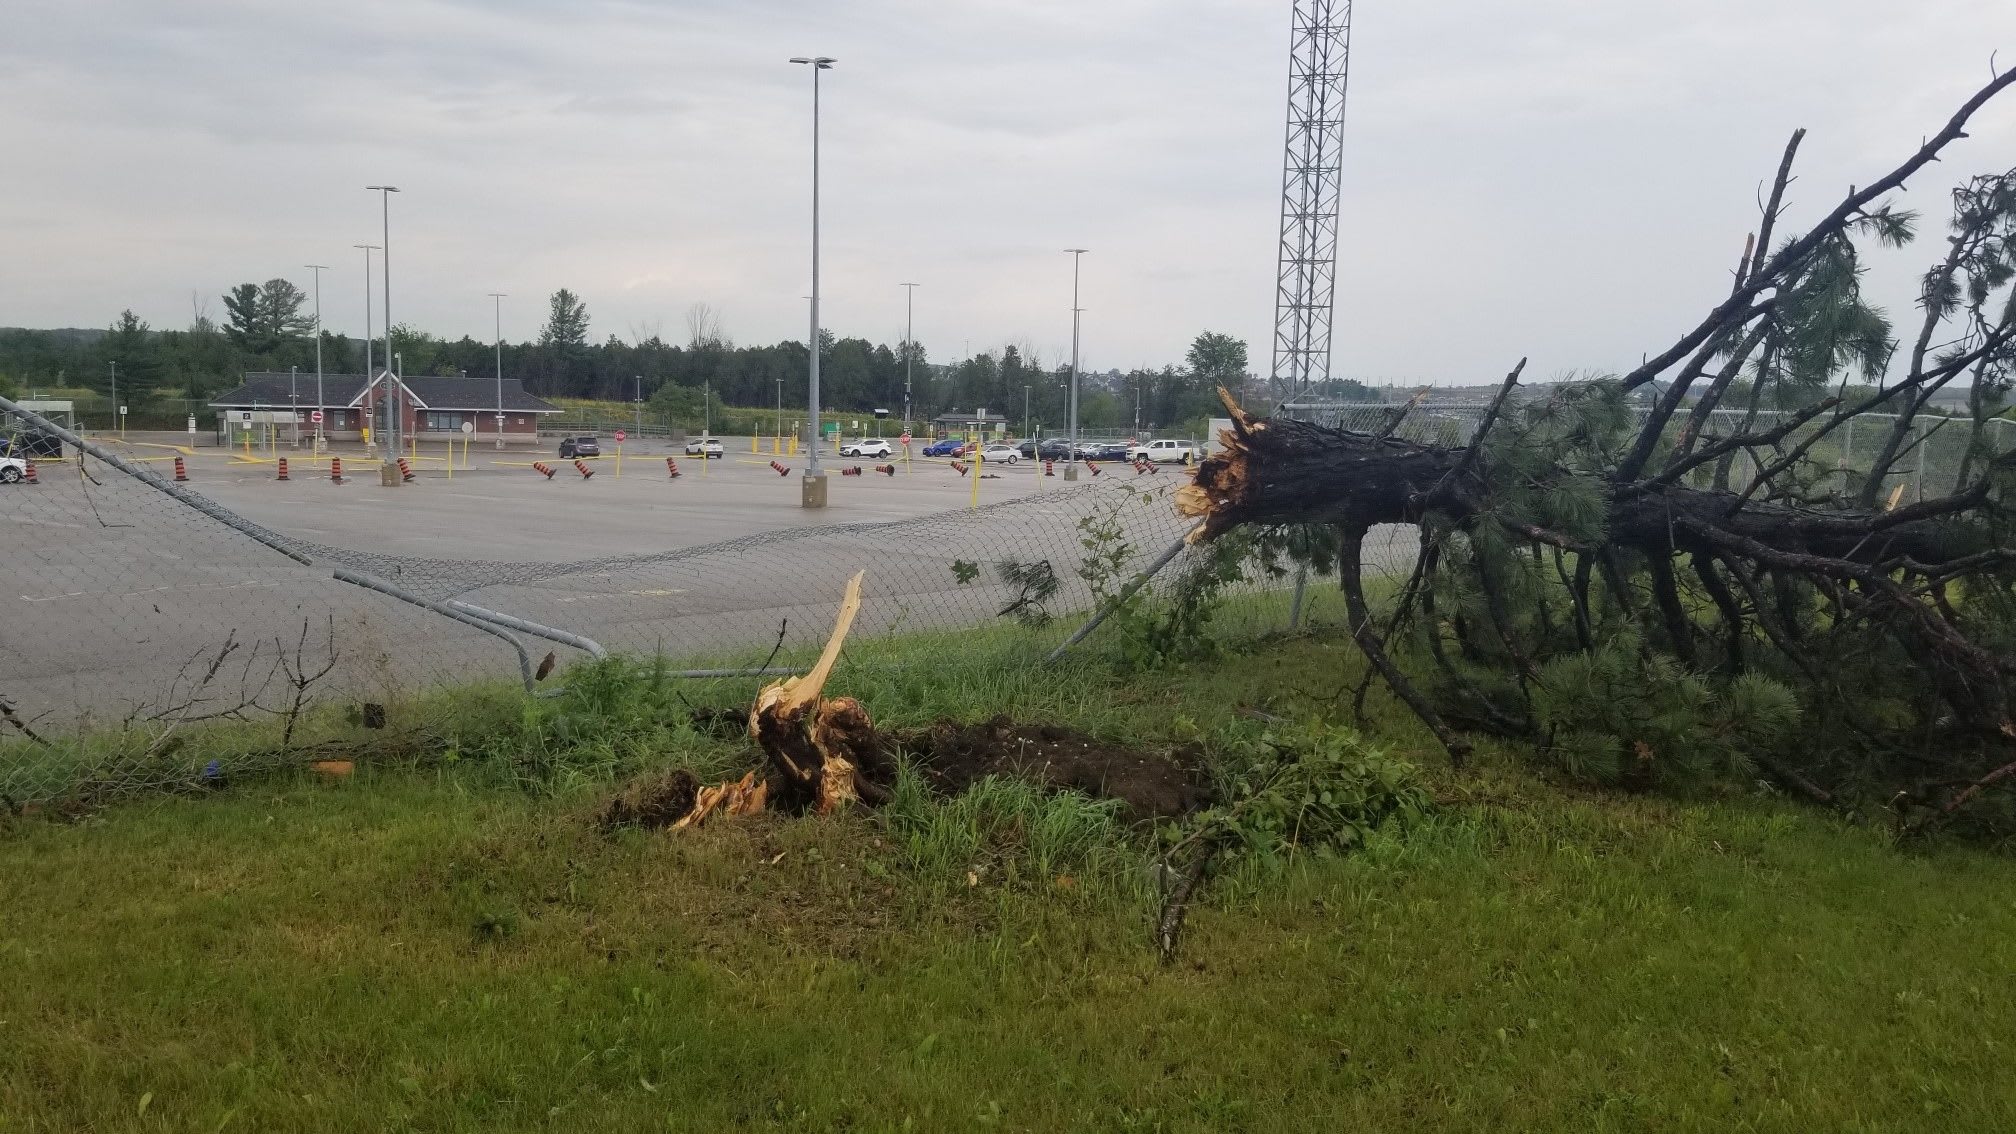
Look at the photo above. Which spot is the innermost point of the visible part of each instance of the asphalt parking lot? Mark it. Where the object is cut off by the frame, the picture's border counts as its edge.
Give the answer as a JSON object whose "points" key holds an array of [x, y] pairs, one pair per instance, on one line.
{"points": [[499, 507], [117, 594]]}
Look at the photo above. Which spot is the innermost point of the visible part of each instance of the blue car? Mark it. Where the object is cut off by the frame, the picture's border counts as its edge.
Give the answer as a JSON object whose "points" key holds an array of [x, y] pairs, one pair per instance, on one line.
{"points": [[950, 447]]}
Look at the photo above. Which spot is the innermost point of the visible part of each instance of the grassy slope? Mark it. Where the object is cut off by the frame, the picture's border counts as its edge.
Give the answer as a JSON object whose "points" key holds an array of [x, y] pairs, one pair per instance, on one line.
{"points": [[428, 950]]}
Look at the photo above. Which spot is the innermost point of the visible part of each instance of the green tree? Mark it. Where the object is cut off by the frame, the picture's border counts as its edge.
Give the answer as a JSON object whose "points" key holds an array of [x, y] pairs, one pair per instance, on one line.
{"points": [[1217, 360], [131, 346], [566, 328], [264, 317]]}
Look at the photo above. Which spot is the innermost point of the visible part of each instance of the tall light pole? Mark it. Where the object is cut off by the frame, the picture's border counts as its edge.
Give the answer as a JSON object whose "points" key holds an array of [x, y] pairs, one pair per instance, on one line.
{"points": [[118, 420], [294, 401], [780, 415], [1071, 470], [909, 346], [368, 376], [497, 312], [318, 270], [385, 265], [1026, 432], [814, 495]]}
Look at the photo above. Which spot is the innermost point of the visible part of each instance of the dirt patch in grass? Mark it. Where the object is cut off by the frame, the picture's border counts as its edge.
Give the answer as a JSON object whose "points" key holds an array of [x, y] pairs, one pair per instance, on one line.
{"points": [[1152, 783], [651, 802]]}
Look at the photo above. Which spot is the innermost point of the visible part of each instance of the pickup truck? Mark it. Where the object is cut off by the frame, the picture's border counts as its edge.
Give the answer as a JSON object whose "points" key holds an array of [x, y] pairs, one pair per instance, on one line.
{"points": [[1164, 452]]}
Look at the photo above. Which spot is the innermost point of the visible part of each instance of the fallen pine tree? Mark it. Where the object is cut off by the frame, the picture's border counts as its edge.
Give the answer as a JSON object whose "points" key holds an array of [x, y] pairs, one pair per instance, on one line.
{"points": [[1650, 592]]}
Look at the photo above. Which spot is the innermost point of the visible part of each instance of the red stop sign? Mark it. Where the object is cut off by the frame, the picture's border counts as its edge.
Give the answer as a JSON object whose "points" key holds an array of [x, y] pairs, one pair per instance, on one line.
{"points": [[620, 435], [906, 439]]}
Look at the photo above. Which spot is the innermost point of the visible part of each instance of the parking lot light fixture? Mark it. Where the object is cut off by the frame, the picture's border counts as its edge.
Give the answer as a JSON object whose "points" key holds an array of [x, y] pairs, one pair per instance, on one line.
{"points": [[814, 496], [318, 269], [497, 312]]}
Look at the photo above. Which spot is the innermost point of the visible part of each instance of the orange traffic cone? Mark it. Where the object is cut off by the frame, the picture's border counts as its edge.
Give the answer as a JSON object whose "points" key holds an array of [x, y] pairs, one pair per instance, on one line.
{"points": [[672, 469], [405, 471], [283, 469], [335, 470], [581, 467], [782, 470], [181, 474], [32, 478], [543, 467]]}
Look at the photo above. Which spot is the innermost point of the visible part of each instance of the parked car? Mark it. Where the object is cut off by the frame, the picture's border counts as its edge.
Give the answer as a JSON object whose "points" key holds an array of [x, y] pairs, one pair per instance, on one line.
{"points": [[12, 469], [571, 447], [1102, 451], [704, 448], [1000, 454], [866, 448], [1164, 452], [32, 443], [1051, 449], [949, 447]]}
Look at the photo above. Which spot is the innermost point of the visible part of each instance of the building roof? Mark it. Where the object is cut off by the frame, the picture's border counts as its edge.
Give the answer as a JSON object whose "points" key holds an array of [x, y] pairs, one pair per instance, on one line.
{"points": [[475, 394], [340, 391], [269, 389], [956, 417]]}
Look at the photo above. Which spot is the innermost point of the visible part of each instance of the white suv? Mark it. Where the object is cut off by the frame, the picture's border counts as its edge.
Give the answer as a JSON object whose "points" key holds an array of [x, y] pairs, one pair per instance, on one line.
{"points": [[875, 448], [12, 469], [1164, 452]]}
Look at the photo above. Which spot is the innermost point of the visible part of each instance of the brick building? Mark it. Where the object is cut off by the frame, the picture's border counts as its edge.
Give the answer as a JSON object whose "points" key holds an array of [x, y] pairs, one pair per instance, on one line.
{"points": [[430, 408]]}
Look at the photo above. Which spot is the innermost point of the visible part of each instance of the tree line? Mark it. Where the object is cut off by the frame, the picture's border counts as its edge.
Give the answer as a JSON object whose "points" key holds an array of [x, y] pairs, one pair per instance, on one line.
{"points": [[270, 327]]}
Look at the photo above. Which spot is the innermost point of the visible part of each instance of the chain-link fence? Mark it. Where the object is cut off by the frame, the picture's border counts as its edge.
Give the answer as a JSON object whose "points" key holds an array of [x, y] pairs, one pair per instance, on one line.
{"points": [[134, 603]]}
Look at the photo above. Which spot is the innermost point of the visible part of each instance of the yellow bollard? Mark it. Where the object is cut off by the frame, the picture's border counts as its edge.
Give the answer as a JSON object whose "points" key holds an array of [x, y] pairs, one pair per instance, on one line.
{"points": [[979, 462], [619, 462]]}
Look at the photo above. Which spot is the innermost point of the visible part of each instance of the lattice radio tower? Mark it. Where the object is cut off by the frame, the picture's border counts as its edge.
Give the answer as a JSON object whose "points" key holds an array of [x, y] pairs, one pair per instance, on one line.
{"points": [[1319, 52]]}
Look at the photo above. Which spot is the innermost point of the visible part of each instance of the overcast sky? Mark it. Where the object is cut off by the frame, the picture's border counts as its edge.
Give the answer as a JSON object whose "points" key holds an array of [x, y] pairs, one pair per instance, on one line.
{"points": [[1566, 179]]}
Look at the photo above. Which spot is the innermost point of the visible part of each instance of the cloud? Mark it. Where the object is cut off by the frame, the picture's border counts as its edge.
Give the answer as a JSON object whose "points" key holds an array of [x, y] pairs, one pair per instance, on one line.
{"points": [[1566, 179]]}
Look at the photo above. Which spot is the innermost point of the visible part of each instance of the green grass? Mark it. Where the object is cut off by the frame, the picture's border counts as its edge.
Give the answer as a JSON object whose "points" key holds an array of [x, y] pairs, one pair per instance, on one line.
{"points": [[444, 944]]}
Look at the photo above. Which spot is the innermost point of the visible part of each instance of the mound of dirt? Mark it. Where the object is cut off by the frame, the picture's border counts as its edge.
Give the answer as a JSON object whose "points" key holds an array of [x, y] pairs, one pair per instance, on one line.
{"points": [[652, 802], [1152, 784]]}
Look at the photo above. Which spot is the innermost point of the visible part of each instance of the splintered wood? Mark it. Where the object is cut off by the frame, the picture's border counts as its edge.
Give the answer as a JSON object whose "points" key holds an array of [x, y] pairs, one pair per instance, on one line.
{"points": [[817, 748]]}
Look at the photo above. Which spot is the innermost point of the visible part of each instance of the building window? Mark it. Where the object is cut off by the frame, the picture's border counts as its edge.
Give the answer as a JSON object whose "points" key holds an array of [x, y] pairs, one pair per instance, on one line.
{"points": [[443, 422]]}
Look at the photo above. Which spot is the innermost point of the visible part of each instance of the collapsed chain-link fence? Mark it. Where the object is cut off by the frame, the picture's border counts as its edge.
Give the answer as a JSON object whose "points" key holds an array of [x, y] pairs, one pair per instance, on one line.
{"points": [[134, 606]]}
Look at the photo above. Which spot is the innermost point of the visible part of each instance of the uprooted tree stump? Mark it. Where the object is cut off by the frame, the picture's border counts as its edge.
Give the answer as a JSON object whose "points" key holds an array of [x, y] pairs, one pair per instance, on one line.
{"points": [[822, 754]]}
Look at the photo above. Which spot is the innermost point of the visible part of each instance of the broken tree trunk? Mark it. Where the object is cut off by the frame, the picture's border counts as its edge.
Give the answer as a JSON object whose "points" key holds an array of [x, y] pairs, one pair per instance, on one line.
{"points": [[822, 753], [1890, 565]]}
